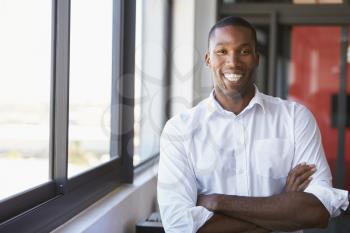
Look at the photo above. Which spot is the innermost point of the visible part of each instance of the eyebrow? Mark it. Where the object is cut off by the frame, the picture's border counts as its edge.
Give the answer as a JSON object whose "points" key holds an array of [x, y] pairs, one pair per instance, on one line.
{"points": [[223, 44]]}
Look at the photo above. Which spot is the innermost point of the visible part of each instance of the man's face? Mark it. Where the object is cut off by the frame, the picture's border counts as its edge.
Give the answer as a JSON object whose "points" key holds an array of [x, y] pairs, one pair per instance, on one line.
{"points": [[232, 59]]}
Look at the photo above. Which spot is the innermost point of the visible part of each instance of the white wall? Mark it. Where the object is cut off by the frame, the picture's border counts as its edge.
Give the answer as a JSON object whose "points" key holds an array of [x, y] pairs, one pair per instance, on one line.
{"points": [[183, 52], [205, 18], [150, 71], [191, 80]]}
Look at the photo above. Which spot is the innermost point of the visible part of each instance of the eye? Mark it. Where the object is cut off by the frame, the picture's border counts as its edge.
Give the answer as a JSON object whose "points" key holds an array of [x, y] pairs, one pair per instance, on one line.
{"points": [[221, 52], [246, 51]]}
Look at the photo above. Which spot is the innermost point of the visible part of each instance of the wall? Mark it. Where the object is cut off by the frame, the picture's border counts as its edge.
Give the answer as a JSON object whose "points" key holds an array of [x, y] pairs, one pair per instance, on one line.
{"points": [[191, 80], [205, 18]]}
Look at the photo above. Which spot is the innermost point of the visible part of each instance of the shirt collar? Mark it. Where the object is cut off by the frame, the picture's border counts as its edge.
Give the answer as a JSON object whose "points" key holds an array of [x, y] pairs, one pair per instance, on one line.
{"points": [[214, 106]]}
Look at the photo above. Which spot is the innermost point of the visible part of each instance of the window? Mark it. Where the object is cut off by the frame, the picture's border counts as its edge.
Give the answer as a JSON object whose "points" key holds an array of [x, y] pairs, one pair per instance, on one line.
{"points": [[66, 120], [25, 70], [90, 85], [150, 77]]}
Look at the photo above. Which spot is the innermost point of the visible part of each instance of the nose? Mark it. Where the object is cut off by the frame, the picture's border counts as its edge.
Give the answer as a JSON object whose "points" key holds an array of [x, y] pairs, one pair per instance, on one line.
{"points": [[233, 60]]}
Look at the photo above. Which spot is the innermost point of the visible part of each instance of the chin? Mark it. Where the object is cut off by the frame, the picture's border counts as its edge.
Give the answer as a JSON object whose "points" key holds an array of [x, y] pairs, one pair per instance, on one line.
{"points": [[240, 92]]}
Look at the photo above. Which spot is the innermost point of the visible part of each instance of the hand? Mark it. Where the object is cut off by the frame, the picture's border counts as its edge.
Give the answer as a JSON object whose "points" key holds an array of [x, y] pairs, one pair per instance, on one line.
{"points": [[299, 178], [208, 201]]}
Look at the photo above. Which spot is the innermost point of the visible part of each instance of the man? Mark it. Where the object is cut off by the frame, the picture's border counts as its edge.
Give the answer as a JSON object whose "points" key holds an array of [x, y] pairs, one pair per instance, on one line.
{"points": [[242, 161]]}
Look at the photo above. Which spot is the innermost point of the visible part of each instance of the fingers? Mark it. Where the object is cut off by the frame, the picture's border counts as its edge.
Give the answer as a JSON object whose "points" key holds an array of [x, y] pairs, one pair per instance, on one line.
{"points": [[307, 173], [302, 175], [300, 169], [294, 179], [299, 177], [303, 186], [292, 174]]}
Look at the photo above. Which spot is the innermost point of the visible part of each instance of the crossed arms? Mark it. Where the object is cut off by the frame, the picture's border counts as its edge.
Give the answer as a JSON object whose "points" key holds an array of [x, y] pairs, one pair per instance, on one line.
{"points": [[288, 211], [183, 210]]}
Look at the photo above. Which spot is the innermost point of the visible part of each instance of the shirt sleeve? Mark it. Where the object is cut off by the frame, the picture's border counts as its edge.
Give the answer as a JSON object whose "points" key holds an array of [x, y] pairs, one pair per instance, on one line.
{"points": [[177, 189], [309, 149]]}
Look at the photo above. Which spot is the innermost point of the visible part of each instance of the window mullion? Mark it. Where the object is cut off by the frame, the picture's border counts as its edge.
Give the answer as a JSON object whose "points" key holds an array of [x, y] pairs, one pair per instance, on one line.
{"points": [[126, 90], [61, 94], [116, 61]]}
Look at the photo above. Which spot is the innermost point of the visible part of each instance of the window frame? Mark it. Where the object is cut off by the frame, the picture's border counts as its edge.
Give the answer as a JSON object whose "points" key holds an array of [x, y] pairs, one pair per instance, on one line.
{"points": [[45, 207]]}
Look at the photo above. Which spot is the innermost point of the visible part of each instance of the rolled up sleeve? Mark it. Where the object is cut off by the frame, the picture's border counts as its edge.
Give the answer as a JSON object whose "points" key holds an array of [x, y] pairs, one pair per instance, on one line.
{"points": [[309, 149], [333, 199], [177, 189]]}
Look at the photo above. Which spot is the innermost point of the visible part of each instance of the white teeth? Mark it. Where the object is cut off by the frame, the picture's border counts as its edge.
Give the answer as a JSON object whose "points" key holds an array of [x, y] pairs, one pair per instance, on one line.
{"points": [[233, 77]]}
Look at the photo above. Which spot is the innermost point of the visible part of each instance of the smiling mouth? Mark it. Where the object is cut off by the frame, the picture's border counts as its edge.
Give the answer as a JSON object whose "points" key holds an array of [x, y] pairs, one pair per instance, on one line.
{"points": [[233, 77]]}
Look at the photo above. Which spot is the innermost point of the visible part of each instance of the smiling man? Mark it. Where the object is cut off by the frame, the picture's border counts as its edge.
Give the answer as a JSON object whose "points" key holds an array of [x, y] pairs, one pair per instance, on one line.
{"points": [[242, 161], [233, 59]]}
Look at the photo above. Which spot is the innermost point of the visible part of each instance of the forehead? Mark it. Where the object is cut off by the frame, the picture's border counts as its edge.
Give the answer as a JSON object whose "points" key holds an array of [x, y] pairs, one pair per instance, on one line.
{"points": [[235, 35]]}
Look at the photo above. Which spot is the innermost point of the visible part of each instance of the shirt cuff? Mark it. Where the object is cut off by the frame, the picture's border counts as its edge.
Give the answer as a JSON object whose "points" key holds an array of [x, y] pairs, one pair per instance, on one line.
{"points": [[200, 216], [187, 220], [333, 199]]}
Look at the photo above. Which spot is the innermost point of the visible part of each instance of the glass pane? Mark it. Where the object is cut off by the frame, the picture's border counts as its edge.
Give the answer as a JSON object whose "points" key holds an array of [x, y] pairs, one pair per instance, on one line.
{"points": [[149, 77], [314, 79], [90, 84], [25, 73]]}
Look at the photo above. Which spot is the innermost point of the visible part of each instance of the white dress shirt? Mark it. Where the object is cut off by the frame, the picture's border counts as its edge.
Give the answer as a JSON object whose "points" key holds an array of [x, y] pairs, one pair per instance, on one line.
{"points": [[209, 150]]}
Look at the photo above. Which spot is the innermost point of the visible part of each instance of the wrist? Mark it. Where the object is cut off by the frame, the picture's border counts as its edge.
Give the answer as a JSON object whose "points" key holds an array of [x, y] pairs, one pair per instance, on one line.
{"points": [[217, 203], [220, 203]]}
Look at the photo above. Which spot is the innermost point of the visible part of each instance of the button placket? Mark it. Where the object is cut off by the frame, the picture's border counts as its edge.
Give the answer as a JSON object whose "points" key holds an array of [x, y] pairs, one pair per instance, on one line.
{"points": [[245, 166]]}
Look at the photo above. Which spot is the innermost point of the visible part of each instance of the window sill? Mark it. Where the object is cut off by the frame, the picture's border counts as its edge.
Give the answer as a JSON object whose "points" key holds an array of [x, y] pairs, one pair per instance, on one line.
{"points": [[120, 209]]}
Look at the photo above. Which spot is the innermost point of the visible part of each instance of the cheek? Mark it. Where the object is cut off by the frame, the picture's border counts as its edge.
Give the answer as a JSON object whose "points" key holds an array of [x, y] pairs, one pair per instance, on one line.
{"points": [[217, 79], [217, 74], [217, 64], [252, 63], [215, 67]]}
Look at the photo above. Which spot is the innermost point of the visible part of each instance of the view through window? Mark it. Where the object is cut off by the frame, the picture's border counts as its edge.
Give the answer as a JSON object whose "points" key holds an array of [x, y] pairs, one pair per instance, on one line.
{"points": [[150, 61], [90, 84], [25, 74]]}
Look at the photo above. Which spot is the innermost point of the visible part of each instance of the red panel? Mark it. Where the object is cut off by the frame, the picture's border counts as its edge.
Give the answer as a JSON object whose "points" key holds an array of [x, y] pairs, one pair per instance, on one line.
{"points": [[314, 78]]}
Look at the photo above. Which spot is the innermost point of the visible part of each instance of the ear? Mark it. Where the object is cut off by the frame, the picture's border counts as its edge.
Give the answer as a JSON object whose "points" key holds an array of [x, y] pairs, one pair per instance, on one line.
{"points": [[257, 58], [207, 59]]}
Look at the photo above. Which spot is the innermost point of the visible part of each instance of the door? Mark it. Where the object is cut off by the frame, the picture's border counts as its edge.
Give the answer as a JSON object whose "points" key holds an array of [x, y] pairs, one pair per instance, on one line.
{"points": [[313, 79], [313, 62]]}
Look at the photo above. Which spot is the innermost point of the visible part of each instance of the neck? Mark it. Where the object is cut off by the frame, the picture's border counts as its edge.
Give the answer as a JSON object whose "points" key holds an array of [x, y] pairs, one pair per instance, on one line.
{"points": [[235, 103]]}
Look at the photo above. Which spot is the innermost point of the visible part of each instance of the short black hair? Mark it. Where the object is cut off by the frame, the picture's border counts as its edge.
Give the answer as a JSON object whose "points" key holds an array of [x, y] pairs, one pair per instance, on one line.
{"points": [[233, 21]]}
